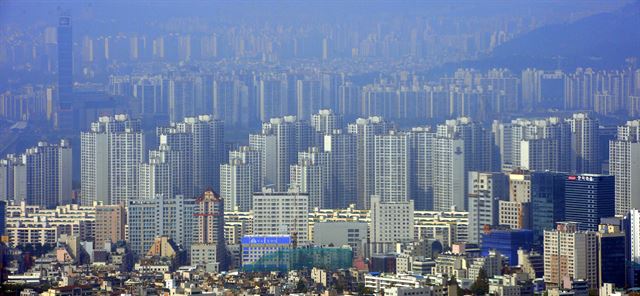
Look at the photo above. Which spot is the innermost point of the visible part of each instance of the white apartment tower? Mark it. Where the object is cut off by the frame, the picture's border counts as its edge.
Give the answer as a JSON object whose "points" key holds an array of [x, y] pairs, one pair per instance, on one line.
{"points": [[541, 144], [206, 148], [236, 185], [325, 121], [40, 176], [392, 182], [584, 144], [252, 157], [448, 172], [110, 156], [277, 144], [365, 130], [624, 164], [313, 175]]}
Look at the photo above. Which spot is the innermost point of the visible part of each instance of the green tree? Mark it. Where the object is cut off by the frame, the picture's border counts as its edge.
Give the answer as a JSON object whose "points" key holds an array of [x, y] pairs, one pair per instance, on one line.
{"points": [[481, 285]]}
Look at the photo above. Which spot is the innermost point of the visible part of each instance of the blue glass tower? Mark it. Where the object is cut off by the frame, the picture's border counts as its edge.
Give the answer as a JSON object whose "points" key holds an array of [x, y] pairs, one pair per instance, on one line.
{"points": [[507, 242], [588, 198]]}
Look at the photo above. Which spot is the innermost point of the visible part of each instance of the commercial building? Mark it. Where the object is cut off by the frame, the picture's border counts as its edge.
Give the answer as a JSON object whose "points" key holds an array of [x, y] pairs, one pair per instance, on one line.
{"points": [[611, 255], [352, 234], [588, 198], [507, 242]]}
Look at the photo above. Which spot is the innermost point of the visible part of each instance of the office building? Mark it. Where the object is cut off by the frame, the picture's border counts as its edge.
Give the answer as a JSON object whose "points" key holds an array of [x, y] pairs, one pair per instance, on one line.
{"points": [[64, 113], [281, 213], [584, 144], [483, 214], [40, 176], [256, 248], [624, 164], [110, 156], [391, 222], [507, 242], [110, 224], [485, 192], [547, 201], [588, 198], [570, 254], [365, 130], [236, 185], [344, 233], [342, 148], [611, 255], [209, 249]]}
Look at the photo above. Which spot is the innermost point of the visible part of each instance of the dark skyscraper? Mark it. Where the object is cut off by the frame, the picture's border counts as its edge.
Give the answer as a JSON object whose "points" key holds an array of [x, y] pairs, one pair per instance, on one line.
{"points": [[65, 73], [588, 198]]}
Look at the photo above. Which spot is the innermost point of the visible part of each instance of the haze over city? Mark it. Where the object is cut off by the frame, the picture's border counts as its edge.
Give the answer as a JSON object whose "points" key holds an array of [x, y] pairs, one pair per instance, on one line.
{"points": [[319, 147]]}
